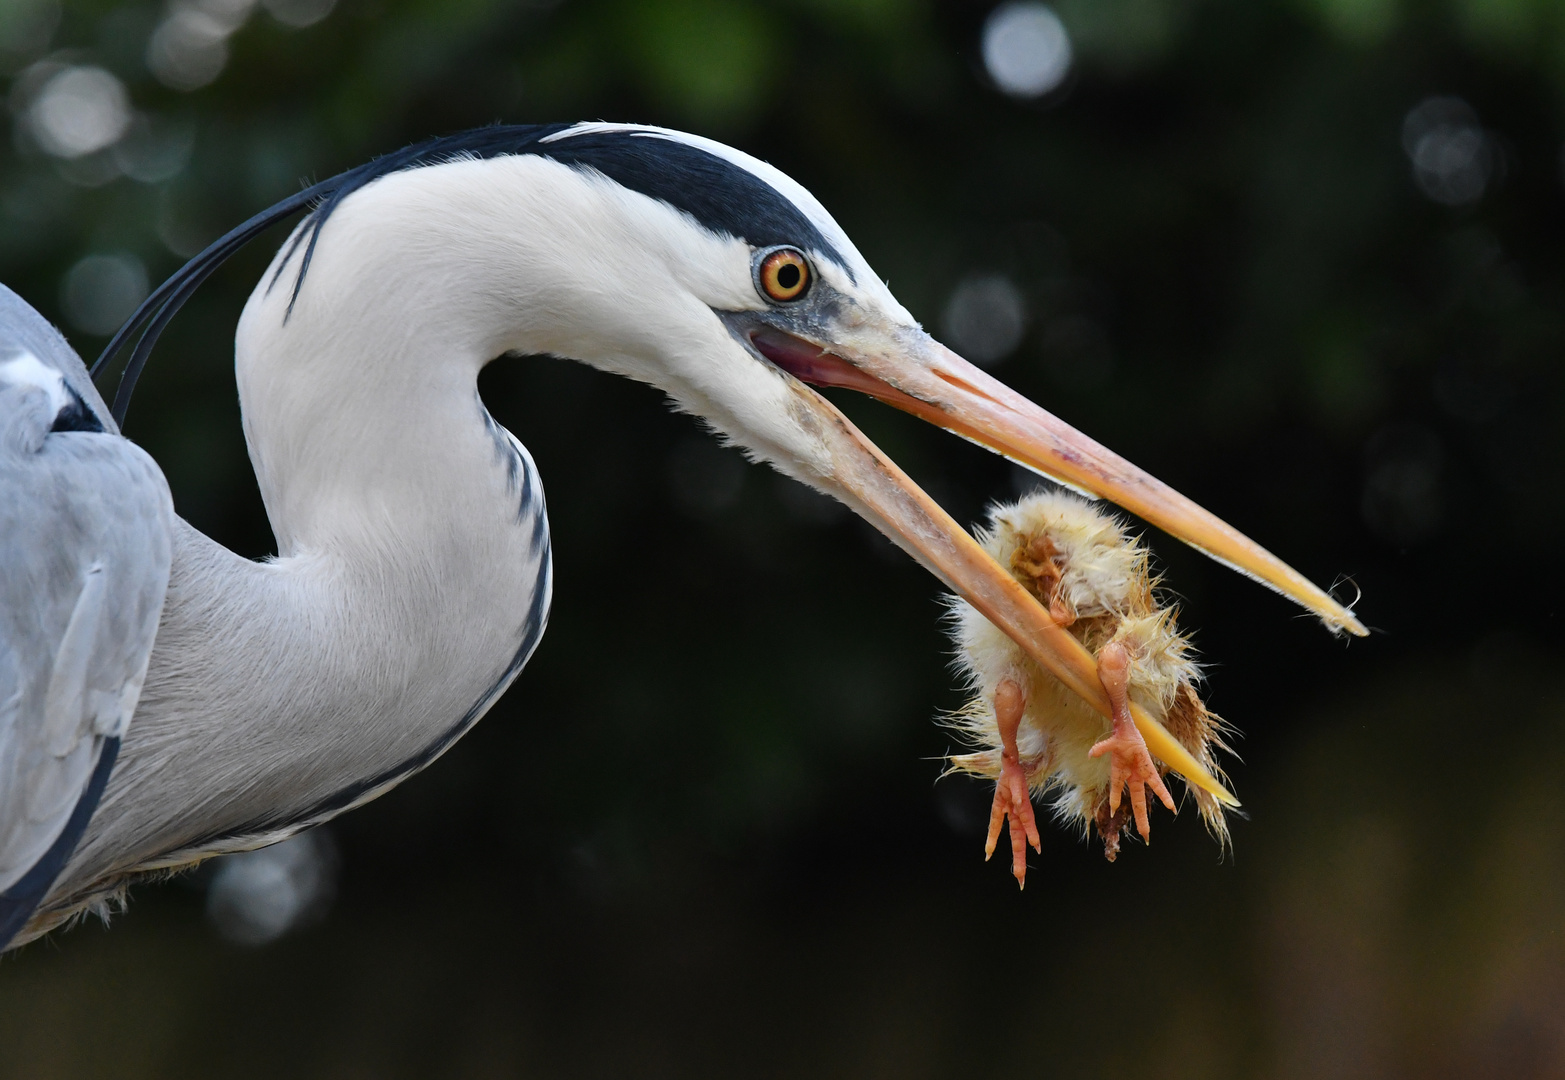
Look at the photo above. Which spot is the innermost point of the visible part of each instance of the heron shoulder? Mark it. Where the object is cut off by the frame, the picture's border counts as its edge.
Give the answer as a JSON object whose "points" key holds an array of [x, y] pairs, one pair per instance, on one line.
{"points": [[85, 550]]}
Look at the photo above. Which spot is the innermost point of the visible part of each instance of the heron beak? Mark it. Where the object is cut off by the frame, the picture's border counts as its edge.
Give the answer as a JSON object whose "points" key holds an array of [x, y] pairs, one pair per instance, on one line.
{"points": [[923, 377], [926, 379]]}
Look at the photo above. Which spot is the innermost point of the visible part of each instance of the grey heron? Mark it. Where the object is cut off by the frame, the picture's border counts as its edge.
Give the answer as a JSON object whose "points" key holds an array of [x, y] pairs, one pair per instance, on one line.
{"points": [[413, 578]]}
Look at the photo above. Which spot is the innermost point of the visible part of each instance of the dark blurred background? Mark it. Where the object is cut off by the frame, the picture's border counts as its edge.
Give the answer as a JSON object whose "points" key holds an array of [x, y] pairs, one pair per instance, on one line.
{"points": [[1300, 258]]}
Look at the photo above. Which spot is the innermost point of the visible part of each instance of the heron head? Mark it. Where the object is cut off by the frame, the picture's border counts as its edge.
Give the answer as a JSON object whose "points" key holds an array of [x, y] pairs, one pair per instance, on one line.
{"points": [[732, 242]]}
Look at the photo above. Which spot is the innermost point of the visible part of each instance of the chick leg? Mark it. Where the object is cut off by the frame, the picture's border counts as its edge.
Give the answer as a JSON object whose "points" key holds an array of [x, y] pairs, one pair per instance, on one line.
{"points": [[1130, 764], [1011, 797]]}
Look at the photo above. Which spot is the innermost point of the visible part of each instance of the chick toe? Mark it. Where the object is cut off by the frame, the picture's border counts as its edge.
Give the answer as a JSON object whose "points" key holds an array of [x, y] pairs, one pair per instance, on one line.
{"points": [[1012, 797], [1130, 763]]}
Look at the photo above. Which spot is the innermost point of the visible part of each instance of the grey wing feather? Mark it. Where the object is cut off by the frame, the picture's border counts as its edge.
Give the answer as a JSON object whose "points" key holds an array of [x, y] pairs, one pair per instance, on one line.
{"points": [[24, 330], [86, 525]]}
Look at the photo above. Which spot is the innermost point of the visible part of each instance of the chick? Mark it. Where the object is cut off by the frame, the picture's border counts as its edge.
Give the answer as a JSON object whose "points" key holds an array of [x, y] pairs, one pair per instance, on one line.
{"points": [[1039, 738]]}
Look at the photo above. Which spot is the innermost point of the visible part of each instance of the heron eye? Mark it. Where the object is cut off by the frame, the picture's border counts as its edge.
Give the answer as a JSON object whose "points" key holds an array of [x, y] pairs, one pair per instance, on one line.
{"points": [[784, 274]]}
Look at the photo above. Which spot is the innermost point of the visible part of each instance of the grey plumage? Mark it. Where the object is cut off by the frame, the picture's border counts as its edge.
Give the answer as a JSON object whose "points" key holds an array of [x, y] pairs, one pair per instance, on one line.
{"points": [[284, 692], [24, 330], [85, 529]]}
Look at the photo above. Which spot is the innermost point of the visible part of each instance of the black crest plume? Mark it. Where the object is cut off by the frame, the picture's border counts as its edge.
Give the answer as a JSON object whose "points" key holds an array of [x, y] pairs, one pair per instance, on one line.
{"points": [[716, 193]]}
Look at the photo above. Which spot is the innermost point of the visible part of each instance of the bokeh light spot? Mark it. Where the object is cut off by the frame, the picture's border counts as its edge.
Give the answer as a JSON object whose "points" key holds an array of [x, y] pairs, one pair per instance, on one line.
{"points": [[299, 13], [79, 111], [985, 318], [1026, 49], [189, 49], [1453, 159], [101, 291], [258, 896]]}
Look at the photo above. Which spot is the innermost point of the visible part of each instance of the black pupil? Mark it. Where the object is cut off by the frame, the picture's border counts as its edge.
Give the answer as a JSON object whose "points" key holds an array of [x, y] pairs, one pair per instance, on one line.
{"points": [[788, 275]]}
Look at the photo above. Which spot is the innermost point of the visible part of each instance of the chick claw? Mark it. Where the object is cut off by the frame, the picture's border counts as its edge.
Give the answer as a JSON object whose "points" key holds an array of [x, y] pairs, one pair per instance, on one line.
{"points": [[1011, 797], [1130, 763]]}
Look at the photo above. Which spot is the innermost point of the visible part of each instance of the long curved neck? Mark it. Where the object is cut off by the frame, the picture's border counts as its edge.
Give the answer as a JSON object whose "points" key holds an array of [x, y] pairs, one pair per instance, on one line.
{"points": [[412, 582], [423, 276], [363, 435]]}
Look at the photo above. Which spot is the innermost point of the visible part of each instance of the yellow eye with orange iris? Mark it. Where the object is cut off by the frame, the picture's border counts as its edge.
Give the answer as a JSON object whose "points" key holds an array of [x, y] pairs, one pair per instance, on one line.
{"points": [[784, 274]]}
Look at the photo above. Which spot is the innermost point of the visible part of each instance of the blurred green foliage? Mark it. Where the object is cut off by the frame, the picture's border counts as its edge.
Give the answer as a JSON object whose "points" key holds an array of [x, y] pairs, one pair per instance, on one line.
{"points": [[702, 834]]}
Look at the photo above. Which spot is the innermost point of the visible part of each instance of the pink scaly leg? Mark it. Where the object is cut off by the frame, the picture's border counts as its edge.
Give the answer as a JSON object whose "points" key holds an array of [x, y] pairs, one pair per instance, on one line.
{"points": [[1011, 797], [1130, 765]]}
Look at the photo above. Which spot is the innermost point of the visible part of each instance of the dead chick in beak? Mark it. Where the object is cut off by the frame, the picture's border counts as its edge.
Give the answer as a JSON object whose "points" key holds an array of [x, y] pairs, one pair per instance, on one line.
{"points": [[1040, 738]]}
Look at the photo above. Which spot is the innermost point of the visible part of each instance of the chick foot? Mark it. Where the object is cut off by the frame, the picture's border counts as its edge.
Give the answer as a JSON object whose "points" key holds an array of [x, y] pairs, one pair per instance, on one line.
{"points": [[1011, 797], [1130, 764]]}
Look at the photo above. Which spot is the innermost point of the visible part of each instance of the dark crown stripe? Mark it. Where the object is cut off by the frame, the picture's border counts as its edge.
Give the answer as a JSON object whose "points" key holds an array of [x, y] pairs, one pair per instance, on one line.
{"points": [[721, 196], [718, 194]]}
